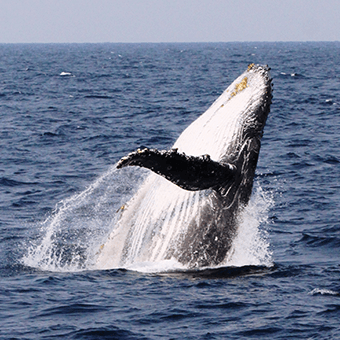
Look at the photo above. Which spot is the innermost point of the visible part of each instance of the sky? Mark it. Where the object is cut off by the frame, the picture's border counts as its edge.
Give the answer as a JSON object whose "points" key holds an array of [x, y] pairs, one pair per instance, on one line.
{"points": [[97, 21]]}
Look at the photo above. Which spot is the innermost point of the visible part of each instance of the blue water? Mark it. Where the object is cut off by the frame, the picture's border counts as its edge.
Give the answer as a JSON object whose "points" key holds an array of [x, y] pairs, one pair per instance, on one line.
{"points": [[69, 112]]}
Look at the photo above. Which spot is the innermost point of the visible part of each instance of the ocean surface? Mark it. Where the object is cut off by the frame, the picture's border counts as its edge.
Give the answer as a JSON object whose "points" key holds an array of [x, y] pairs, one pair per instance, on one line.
{"points": [[69, 112]]}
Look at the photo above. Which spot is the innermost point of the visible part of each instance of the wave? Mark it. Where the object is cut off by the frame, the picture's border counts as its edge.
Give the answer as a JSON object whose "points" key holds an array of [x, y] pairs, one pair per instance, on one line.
{"points": [[319, 241], [322, 291], [7, 182]]}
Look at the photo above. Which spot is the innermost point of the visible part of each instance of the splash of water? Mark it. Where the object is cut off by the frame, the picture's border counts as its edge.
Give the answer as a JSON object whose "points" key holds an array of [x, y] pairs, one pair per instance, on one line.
{"points": [[251, 245], [74, 233], [71, 235]]}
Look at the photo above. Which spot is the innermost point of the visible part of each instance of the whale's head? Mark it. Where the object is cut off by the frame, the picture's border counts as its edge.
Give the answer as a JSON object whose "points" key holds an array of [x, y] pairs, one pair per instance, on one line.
{"points": [[238, 114], [256, 83]]}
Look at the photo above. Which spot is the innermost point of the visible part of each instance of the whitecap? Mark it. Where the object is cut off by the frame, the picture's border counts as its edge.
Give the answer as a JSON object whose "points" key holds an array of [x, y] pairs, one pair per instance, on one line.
{"points": [[322, 291]]}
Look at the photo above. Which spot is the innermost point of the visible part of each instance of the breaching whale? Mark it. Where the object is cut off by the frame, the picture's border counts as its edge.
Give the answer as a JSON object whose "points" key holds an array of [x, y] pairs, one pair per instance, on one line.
{"points": [[188, 207]]}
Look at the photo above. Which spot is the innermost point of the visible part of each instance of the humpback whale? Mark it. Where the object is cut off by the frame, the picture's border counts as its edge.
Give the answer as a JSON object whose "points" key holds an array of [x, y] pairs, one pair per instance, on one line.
{"points": [[188, 207]]}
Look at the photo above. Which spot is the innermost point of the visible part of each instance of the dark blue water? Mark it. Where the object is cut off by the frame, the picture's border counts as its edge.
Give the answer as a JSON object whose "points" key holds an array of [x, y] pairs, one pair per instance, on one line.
{"points": [[69, 112]]}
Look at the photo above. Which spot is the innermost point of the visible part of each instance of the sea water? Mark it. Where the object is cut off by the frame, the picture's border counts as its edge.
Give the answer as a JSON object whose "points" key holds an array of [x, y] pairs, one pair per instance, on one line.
{"points": [[70, 112]]}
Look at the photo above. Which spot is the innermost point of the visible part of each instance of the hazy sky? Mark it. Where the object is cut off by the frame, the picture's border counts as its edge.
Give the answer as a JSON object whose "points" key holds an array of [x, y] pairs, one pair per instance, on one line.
{"points": [[58, 21]]}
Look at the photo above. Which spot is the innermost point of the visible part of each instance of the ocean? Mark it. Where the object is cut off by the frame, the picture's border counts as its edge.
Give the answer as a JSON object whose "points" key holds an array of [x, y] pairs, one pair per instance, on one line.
{"points": [[69, 112]]}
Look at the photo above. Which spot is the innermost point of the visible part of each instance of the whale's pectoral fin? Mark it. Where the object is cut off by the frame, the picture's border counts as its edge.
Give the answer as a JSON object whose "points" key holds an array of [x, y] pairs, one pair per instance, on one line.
{"points": [[188, 172]]}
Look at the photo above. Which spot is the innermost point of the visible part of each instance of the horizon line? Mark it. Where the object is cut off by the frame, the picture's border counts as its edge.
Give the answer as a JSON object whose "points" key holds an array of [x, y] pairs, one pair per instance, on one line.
{"points": [[177, 42]]}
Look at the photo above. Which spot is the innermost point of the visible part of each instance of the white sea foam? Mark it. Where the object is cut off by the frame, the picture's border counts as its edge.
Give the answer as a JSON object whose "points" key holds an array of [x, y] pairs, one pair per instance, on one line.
{"points": [[322, 291]]}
